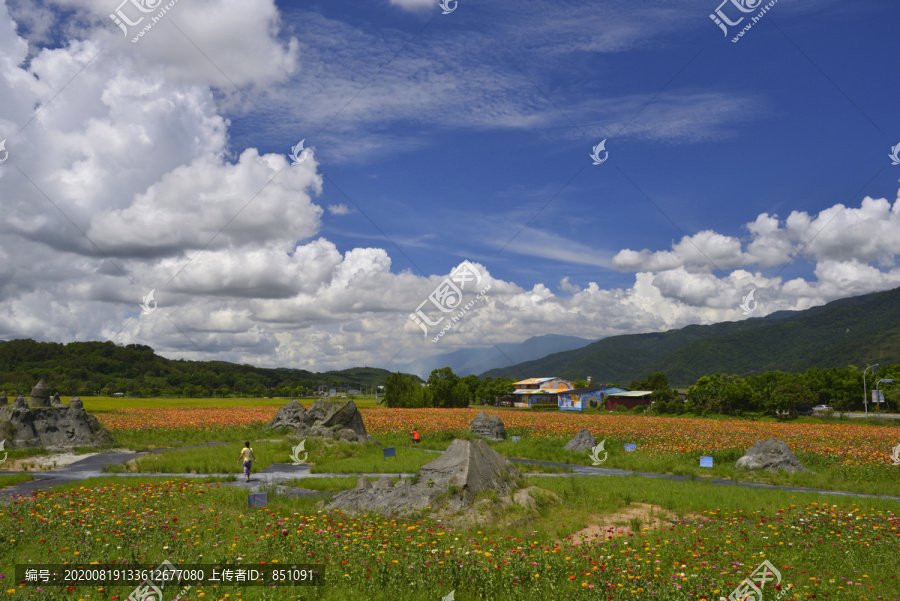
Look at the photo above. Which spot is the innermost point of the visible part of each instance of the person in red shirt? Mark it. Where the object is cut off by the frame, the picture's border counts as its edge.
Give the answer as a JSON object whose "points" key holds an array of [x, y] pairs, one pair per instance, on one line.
{"points": [[415, 435]]}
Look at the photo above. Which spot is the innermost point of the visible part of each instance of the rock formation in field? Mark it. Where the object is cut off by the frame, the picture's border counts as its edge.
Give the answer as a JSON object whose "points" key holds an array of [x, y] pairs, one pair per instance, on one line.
{"points": [[324, 419], [20, 403], [3, 400], [772, 455], [55, 428], [55, 401], [451, 482], [488, 427], [583, 441], [40, 396]]}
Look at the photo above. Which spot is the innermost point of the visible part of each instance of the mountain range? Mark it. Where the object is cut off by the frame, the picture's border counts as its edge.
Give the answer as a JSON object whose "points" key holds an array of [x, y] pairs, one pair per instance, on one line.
{"points": [[475, 360], [850, 331]]}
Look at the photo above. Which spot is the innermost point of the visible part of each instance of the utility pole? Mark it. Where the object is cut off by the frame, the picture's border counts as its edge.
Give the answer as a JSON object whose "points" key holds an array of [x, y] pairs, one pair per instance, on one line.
{"points": [[865, 394]]}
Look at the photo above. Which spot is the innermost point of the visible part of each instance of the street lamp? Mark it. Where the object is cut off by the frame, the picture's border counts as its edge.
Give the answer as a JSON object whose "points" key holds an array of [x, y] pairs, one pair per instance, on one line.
{"points": [[865, 397], [877, 385]]}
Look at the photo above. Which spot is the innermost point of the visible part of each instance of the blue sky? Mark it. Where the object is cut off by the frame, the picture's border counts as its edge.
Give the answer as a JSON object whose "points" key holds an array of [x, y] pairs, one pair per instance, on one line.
{"points": [[434, 139], [796, 116]]}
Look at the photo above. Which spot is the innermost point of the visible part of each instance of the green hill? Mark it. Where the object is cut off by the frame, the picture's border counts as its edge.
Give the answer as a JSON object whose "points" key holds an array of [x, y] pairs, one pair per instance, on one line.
{"points": [[81, 368], [857, 331]]}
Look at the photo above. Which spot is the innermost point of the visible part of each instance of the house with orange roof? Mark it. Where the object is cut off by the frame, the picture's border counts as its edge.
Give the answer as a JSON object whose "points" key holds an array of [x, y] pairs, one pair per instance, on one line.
{"points": [[539, 391]]}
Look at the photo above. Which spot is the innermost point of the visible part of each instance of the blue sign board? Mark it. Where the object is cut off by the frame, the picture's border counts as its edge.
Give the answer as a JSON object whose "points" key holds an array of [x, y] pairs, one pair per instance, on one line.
{"points": [[257, 499], [390, 452], [516, 438], [631, 446], [706, 461]]}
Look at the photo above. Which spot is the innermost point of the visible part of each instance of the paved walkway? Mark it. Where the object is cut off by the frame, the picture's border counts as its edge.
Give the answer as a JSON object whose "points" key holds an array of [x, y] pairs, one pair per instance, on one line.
{"points": [[91, 467]]}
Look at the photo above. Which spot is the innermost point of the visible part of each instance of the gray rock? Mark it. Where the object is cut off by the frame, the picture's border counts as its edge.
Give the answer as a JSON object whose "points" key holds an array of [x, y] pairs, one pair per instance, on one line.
{"points": [[288, 416], [583, 441], [52, 427], [347, 435], [772, 455], [464, 469], [40, 396], [55, 401], [491, 428], [3, 399], [384, 482], [20, 403], [346, 416], [323, 419], [363, 484]]}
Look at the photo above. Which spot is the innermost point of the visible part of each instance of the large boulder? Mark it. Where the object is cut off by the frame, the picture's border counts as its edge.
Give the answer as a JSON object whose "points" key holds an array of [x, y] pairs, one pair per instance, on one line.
{"points": [[346, 416], [488, 427], [583, 441], [466, 468], [40, 395], [20, 403], [55, 401], [289, 416], [324, 419], [772, 455], [52, 427]]}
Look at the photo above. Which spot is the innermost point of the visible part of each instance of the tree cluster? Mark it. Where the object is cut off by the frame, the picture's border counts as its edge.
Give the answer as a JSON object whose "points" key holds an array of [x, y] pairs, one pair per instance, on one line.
{"points": [[443, 389]]}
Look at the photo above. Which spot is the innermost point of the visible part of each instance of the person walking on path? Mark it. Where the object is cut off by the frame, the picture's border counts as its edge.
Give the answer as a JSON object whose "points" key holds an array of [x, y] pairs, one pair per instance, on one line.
{"points": [[415, 435], [247, 457]]}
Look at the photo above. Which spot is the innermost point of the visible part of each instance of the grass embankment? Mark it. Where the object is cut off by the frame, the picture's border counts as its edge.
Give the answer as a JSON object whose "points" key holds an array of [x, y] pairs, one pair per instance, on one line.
{"points": [[13, 479], [823, 546]]}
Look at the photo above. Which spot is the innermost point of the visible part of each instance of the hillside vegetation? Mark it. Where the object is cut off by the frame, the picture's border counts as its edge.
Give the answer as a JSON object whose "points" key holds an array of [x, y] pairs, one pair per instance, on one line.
{"points": [[83, 368], [851, 331]]}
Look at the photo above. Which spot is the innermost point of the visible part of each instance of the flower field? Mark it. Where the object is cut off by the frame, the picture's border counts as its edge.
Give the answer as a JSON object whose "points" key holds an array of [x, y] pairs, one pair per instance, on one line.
{"points": [[845, 443], [821, 551]]}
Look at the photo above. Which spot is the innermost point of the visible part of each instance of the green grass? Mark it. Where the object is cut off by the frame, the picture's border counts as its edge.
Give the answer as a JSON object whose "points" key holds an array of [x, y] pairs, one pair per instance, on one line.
{"points": [[223, 459], [826, 474], [352, 458], [142, 439], [14, 479], [725, 533]]}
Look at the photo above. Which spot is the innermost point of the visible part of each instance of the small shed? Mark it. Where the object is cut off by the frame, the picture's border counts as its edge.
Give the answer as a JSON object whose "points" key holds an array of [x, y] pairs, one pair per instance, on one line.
{"points": [[630, 399]]}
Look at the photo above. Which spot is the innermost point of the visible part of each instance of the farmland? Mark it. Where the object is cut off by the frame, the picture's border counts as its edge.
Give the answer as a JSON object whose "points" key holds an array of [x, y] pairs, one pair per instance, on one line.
{"points": [[823, 547]]}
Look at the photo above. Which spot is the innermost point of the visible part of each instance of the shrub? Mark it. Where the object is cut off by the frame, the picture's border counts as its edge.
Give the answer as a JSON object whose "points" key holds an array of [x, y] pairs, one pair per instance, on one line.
{"points": [[544, 407]]}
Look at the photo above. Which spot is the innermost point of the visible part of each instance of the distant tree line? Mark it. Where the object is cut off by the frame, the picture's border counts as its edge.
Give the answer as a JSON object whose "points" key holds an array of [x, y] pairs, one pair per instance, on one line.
{"points": [[443, 389], [105, 368], [774, 392]]}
